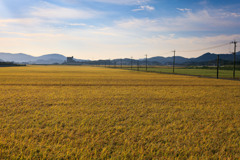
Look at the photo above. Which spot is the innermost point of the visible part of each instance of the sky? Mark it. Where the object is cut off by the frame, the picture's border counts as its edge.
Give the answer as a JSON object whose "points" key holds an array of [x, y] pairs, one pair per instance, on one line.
{"points": [[103, 29]]}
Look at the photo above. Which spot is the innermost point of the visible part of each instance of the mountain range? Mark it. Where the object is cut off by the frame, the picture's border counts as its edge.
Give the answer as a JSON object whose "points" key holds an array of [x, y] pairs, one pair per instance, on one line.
{"points": [[203, 59], [28, 59], [58, 58]]}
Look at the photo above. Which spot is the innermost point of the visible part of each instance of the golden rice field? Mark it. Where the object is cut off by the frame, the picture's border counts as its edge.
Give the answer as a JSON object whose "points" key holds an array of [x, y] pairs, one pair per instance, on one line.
{"points": [[74, 112]]}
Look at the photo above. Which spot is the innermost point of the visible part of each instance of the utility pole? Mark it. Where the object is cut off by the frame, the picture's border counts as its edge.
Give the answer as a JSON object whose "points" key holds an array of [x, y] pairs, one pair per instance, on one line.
{"points": [[217, 66], [146, 63], [121, 62], [234, 57], [131, 63], [109, 62], [174, 60], [138, 65]]}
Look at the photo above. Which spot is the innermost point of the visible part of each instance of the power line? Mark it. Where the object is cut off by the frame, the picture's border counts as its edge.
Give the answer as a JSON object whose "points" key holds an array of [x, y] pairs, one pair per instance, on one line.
{"points": [[167, 53], [206, 48], [213, 47]]}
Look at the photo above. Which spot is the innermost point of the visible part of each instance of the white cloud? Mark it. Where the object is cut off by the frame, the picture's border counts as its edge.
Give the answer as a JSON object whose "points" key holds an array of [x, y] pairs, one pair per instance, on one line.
{"points": [[27, 35], [140, 25], [203, 20], [235, 14], [24, 23], [46, 30], [229, 14], [51, 11], [124, 2], [203, 3], [172, 35], [117, 2], [165, 44], [109, 42], [77, 24], [142, 8], [47, 17], [184, 9]]}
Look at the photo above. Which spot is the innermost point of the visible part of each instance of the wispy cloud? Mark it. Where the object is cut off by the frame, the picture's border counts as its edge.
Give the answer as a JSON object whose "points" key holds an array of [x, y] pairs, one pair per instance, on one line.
{"points": [[184, 9], [77, 24], [229, 14], [124, 2], [165, 43], [202, 20], [106, 41], [142, 8], [46, 17], [203, 2], [235, 14], [27, 23], [73, 27], [51, 11], [136, 24]]}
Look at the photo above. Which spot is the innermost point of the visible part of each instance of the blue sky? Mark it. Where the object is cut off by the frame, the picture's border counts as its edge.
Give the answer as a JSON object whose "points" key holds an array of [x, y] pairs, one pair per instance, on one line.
{"points": [[99, 29]]}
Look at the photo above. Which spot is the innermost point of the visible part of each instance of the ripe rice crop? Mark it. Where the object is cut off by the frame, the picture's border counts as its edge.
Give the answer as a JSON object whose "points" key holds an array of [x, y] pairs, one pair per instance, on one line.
{"points": [[74, 112]]}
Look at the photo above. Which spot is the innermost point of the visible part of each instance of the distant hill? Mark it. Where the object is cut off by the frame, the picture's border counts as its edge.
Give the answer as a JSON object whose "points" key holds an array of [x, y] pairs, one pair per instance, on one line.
{"points": [[24, 58], [207, 58], [50, 59], [212, 56], [20, 57], [166, 60], [52, 56]]}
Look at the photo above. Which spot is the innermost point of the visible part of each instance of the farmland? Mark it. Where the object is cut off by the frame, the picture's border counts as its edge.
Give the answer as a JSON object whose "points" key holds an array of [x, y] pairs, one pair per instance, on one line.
{"points": [[195, 71], [74, 112]]}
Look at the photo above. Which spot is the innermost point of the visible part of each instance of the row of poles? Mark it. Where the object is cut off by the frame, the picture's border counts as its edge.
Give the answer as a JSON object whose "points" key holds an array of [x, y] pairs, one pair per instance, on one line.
{"points": [[173, 64], [138, 64], [234, 60]]}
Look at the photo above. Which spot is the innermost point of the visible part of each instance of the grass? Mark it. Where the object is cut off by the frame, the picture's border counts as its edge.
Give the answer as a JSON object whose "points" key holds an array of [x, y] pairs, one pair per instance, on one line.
{"points": [[210, 72], [72, 112]]}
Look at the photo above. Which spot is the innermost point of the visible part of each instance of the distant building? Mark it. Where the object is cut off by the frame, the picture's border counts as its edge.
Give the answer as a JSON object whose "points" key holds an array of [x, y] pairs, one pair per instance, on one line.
{"points": [[70, 60]]}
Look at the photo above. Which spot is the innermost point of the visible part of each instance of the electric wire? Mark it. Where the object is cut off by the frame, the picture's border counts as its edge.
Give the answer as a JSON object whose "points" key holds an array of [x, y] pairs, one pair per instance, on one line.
{"points": [[166, 53], [213, 47]]}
